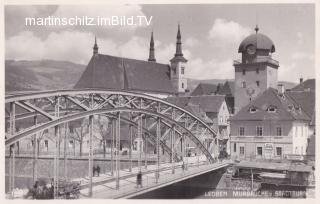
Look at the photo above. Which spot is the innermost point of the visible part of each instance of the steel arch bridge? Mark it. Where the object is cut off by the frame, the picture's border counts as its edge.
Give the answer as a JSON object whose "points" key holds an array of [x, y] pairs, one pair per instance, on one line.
{"points": [[154, 119]]}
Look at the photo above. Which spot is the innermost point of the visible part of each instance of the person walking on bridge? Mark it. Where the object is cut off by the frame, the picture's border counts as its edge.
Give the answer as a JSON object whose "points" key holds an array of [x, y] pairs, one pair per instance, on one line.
{"points": [[139, 179]]}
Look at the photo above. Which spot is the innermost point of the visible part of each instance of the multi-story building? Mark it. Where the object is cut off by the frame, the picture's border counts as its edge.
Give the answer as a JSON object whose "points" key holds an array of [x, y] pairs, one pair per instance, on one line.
{"points": [[274, 125]]}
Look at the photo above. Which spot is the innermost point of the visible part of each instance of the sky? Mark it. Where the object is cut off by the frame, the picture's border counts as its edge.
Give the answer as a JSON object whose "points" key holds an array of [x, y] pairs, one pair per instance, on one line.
{"points": [[210, 33]]}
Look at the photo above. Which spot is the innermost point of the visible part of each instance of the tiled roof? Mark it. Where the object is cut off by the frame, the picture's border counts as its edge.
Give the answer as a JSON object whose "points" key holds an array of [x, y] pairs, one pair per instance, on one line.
{"points": [[286, 108], [208, 103], [109, 72], [204, 89], [306, 99], [309, 84]]}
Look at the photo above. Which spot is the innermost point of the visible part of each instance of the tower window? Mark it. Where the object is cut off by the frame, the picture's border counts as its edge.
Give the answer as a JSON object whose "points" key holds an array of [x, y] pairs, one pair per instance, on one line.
{"points": [[257, 70], [243, 72], [182, 85], [258, 83], [244, 85], [182, 70]]}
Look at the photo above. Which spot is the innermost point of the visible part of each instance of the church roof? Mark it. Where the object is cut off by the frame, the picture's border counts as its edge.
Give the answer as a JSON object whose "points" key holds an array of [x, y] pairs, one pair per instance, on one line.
{"points": [[110, 72], [286, 108], [261, 41]]}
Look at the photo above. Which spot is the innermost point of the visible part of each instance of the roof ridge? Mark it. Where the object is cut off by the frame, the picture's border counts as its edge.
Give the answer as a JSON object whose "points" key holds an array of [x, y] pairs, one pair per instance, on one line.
{"points": [[126, 58]]}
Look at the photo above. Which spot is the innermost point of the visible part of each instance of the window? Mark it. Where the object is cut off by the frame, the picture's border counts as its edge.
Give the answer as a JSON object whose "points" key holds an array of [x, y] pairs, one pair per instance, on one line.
{"points": [[241, 131], [244, 85], [279, 131], [258, 83], [182, 85], [235, 147], [257, 70], [243, 72], [279, 151], [252, 109], [259, 131], [241, 150], [272, 109], [259, 151], [182, 70], [31, 143]]}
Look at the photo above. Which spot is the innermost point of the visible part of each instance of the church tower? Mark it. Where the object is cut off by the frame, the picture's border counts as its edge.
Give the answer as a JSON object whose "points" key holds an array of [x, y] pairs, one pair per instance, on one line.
{"points": [[256, 71], [178, 67], [152, 57]]}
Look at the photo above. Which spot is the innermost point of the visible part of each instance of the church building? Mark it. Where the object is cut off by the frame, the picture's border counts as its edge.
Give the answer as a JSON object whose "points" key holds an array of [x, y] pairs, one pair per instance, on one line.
{"points": [[148, 77]]}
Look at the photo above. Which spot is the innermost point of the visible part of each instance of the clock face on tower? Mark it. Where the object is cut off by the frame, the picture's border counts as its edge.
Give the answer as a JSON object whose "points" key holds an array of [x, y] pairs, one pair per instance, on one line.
{"points": [[251, 49]]}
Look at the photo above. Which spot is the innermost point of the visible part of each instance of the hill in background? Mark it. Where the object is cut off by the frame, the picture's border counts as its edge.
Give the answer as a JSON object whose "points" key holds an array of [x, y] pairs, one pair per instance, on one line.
{"points": [[51, 74]]}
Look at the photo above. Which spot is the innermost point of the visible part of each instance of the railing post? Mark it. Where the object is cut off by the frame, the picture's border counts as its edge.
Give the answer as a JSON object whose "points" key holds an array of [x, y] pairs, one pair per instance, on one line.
{"points": [[118, 151]]}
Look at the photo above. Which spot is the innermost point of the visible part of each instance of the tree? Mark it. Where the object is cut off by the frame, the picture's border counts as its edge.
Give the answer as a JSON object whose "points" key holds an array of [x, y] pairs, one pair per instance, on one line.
{"points": [[104, 130], [79, 135]]}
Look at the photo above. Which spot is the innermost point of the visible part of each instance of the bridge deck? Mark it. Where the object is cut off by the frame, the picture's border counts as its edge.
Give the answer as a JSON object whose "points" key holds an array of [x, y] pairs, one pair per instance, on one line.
{"points": [[105, 185]]}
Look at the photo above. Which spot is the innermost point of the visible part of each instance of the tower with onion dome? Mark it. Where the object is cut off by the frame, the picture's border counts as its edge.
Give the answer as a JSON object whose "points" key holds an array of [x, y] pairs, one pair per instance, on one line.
{"points": [[257, 70]]}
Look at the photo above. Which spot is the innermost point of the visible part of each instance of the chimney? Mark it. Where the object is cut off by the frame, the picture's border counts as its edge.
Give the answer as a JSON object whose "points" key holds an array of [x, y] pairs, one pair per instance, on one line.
{"points": [[281, 89], [301, 80]]}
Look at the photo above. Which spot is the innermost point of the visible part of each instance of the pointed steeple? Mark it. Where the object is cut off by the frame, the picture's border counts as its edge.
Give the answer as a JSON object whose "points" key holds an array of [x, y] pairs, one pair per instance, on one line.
{"points": [[178, 45], [178, 56], [95, 47], [151, 50]]}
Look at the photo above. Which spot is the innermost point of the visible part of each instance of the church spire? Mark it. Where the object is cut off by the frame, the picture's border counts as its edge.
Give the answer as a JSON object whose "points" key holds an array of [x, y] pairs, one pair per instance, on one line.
{"points": [[151, 50], [178, 45], [95, 47]]}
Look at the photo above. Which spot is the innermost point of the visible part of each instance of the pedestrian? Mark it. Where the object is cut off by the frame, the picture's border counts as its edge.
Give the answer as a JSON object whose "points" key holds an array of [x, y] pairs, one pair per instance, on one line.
{"points": [[98, 170], [139, 179], [94, 171]]}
